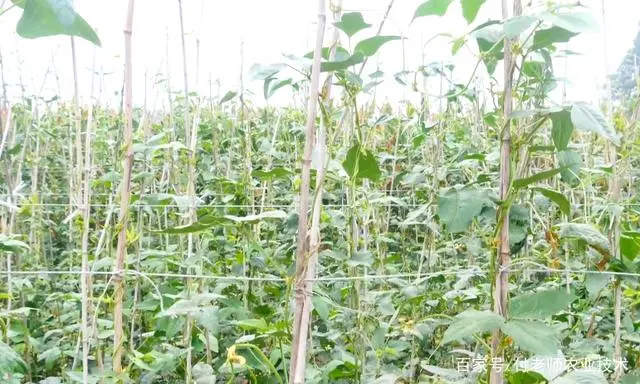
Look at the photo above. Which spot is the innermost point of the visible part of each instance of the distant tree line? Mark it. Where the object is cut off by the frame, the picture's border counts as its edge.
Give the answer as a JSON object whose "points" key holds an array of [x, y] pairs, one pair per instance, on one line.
{"points": [[624, 84]]}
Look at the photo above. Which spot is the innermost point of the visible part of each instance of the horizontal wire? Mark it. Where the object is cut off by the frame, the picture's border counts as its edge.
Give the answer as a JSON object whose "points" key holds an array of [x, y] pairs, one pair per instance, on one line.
{"points": [[257, 205], [256, 189], [318, 279]]}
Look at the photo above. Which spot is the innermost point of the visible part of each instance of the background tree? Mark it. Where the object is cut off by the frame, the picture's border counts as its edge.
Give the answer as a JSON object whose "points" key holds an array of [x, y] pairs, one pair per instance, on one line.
{"points": [[624, 81]]}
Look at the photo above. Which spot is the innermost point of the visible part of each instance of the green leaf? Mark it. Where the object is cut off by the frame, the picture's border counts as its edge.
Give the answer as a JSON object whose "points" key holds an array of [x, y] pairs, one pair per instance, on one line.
{"points": [[248, 324], [8, 244], [514, 26], [491, 45], [458, 207], [630, 244], [321, 307], [351, 23], [570, 163], [470, 322], [519, 223], [361, 163], [264, 72], [521, 183], [561, 129], [587, 233], [228, 96], [432, 7], [261, 216], [42, 18], [10, 360], [576, 22], [561, 201], [275, 173], [525, 377], [540, 305], [584, 376], [586, 117], [200, 225], [532, 336], [470, 9], [354, 59], [369, 47], [341, 53], [631, 378], [272, 85], [595, 282], [195, 304], [546, 37]]}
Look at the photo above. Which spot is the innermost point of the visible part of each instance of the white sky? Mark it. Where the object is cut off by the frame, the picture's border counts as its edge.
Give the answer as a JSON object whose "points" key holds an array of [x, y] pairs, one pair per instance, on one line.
{"points": [[271, 28]]}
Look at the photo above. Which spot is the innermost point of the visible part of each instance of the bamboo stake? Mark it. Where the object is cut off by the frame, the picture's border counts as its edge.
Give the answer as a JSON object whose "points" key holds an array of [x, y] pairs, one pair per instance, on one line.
{"points": [[302, 288], [85, 281], [125, 192], [614, 231], [501, 293], [190, 139]]}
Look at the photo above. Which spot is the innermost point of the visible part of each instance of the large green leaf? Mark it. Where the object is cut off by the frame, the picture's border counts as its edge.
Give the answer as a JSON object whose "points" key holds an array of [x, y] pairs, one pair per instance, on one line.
{"points": [[595, 282], [561, 200], [351, 23], [42, 18], [630, 244], [470, 322], [587, 233], [341, 54], [271, 85], [10, 361], [532, 336], [470, 9], [8, 244], [570, 163], [521, 183], [576, 22], [586, 117], [540, 305], [514, 26], [458, 207], [275, 173], [561, 129], [369, 47], [354, 59], [361, 163], [546, 37], [432, 8], [490, 39]]}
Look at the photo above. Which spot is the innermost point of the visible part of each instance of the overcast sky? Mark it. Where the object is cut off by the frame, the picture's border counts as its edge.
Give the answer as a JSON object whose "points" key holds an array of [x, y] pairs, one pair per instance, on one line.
{"points": [[271, 28]]}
